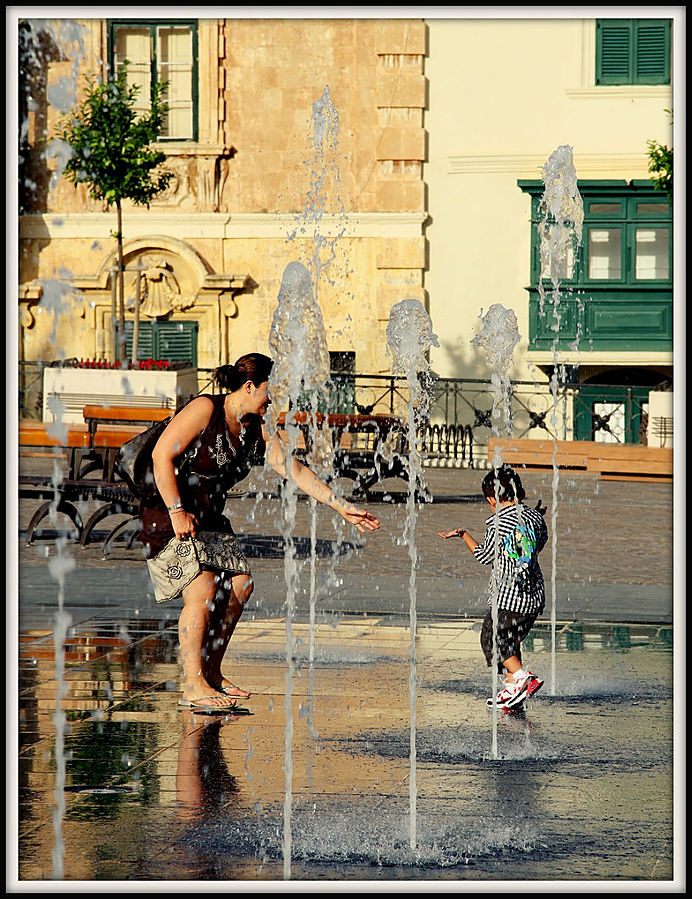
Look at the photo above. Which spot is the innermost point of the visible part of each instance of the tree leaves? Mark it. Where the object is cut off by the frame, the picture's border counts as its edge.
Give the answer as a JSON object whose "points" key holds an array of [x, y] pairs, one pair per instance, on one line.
{"points": [[110, 143], [112, 153], [661, 165]]}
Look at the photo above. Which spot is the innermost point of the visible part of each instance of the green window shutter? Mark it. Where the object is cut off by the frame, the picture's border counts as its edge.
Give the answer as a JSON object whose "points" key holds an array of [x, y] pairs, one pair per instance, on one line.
{"points": [[177, 341], [632, 51], [613, 51], [145, 345], [652, 58], [168, 341]]}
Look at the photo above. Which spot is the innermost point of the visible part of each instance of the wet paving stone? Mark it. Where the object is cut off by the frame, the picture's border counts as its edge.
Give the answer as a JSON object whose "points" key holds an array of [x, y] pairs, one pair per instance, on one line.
{"points": [[579, 788]]}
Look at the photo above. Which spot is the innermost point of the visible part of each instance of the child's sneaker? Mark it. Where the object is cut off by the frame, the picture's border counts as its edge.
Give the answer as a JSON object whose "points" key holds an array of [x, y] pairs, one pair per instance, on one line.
{"points": [[509, 696], [532, 684]]}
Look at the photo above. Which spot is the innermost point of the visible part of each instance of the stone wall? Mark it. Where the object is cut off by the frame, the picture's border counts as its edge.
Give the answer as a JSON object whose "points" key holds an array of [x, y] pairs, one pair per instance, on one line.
{"points": [[234, 214]]}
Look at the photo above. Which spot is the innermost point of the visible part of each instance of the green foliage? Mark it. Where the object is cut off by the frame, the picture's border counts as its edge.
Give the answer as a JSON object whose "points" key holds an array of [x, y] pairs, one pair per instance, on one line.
{"points": [[111, 154], [661, 165], [111, 150]]}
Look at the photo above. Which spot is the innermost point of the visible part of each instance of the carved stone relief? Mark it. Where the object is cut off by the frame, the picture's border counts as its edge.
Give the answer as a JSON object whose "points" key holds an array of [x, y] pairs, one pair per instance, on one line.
{"points": [[166, 285], [197, 182]]}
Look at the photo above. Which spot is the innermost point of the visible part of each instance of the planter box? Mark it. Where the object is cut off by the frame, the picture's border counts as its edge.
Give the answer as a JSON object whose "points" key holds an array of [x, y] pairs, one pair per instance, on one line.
{"points": [[79, 387]]}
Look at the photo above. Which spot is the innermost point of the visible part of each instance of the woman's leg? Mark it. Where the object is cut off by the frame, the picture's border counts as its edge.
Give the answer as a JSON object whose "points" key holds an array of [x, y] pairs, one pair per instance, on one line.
{"points": [[194, 626], [232, 598]]}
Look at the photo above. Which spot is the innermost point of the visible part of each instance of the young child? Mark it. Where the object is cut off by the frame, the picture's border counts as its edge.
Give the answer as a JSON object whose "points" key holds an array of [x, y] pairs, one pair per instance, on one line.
{"points": [[516, 579]]}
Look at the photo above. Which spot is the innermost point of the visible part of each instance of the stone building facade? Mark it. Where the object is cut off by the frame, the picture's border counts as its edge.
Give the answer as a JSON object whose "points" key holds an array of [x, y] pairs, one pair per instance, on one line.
{"points": [[428, 187], [209, 253]]}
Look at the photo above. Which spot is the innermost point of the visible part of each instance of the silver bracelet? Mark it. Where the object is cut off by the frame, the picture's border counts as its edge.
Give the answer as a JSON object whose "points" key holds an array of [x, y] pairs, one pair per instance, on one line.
{"points": [[175, 507]]}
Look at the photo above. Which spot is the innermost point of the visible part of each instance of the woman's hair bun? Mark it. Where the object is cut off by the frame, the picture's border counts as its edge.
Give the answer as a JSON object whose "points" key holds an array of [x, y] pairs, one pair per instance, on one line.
{"points": [[253, 367]]}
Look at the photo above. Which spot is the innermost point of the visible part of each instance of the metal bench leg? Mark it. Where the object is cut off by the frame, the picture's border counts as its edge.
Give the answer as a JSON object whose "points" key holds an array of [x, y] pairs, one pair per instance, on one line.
{"points": [[121, 528], [105, 511], [92, 461], [43, 510]]}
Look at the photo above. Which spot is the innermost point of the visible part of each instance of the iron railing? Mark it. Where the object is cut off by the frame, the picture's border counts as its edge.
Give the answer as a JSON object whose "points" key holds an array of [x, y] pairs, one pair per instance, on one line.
{"points": [[463, 412]]}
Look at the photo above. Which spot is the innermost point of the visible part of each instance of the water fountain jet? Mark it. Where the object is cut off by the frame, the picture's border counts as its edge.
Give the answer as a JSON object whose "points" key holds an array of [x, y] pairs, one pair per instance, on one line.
{"points": [[560, 231], [409, 338], [498, 338], [35, 36], [301, 369]]}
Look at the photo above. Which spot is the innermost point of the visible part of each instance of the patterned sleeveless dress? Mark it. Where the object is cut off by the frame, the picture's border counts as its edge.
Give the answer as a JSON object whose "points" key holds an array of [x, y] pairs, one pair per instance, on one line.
{"points": [[206, 472]]}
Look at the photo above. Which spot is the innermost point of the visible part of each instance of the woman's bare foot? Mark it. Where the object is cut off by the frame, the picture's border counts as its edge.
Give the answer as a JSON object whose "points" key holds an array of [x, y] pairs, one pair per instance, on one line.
{"points": [[203, 692], [231, 690]]}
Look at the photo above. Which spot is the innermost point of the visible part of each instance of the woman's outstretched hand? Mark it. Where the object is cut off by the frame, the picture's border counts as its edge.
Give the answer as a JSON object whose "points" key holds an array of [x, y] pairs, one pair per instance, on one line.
{"points": [[361, 519], [455, 533]]}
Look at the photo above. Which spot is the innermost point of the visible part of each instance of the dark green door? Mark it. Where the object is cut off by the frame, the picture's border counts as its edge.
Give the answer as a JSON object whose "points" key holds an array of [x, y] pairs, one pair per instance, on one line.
{"points": [[613, 414]]}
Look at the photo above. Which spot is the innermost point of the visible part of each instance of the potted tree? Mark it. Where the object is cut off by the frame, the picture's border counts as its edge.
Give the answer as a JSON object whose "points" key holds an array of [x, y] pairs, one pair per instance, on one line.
{"points": [[112, 155]]}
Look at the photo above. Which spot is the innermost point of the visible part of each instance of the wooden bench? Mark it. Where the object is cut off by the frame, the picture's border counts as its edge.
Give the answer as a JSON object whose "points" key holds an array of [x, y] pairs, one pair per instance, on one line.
{"points": [[84, 452], [88, 448], [614, 461], [111, 426], [95, 416], [367, 448]]}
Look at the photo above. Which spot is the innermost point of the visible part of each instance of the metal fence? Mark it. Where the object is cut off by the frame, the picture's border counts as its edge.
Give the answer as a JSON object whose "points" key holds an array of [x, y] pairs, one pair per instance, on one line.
{"points": [[463, 412]]}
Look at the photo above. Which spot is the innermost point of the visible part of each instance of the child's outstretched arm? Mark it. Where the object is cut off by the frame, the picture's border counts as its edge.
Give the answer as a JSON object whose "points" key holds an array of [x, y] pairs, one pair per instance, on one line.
{"points": [[465, 536]]}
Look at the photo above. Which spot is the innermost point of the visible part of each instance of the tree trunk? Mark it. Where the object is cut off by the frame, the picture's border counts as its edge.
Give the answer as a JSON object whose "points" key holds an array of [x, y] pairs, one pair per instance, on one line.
{"points": [[135, 327], [121, 286]]}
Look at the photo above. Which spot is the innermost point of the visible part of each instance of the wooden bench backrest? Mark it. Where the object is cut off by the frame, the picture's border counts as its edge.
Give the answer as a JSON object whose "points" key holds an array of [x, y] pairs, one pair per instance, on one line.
{"points": [[126, 413]]}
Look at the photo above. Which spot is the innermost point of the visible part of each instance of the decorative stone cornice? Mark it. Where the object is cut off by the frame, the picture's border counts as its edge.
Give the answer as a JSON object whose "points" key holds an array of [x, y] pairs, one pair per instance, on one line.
{"points": [[531, 165], [224, 283], [209, 225], [30, 291]]}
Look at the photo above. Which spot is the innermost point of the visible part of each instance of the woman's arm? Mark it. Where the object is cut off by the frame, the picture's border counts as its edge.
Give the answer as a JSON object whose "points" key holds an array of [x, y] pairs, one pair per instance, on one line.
{"points": [[307, 481], [184, 428]]}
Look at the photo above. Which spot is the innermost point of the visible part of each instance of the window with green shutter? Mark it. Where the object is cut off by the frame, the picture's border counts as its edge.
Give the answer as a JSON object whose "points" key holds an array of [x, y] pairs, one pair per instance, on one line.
{"points": [[169, 341], [633, 51], [160, 50]]}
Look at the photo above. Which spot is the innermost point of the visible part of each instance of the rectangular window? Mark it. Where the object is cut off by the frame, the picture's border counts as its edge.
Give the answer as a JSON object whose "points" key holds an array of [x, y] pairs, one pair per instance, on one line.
{"points": [[342, 396], [633, 51], [625, 241], [604, 254], [652, 209], [618, 293], [175, 67], [134, 44], [611, 209], [652, 251], [558, 253], [160, 51]]}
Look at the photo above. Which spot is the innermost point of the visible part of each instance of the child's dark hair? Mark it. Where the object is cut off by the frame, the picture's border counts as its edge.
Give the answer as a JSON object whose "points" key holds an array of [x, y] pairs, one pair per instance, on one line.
{"points": [[252, 367], [503, 483]]}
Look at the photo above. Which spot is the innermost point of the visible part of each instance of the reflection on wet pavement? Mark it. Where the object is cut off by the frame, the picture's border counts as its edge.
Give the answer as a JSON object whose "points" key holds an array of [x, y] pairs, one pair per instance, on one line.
{"points": [[581, 788]]}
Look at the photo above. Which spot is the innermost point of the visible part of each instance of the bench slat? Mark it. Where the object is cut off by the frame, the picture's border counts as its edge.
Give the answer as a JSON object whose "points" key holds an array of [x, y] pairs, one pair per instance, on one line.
{"points": [[614, 460], [125, 414], [111, 437]]}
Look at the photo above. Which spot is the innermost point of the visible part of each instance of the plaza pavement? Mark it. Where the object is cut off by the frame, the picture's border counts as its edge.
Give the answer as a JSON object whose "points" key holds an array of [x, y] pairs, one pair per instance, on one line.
{"points": [[147, 793]]}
